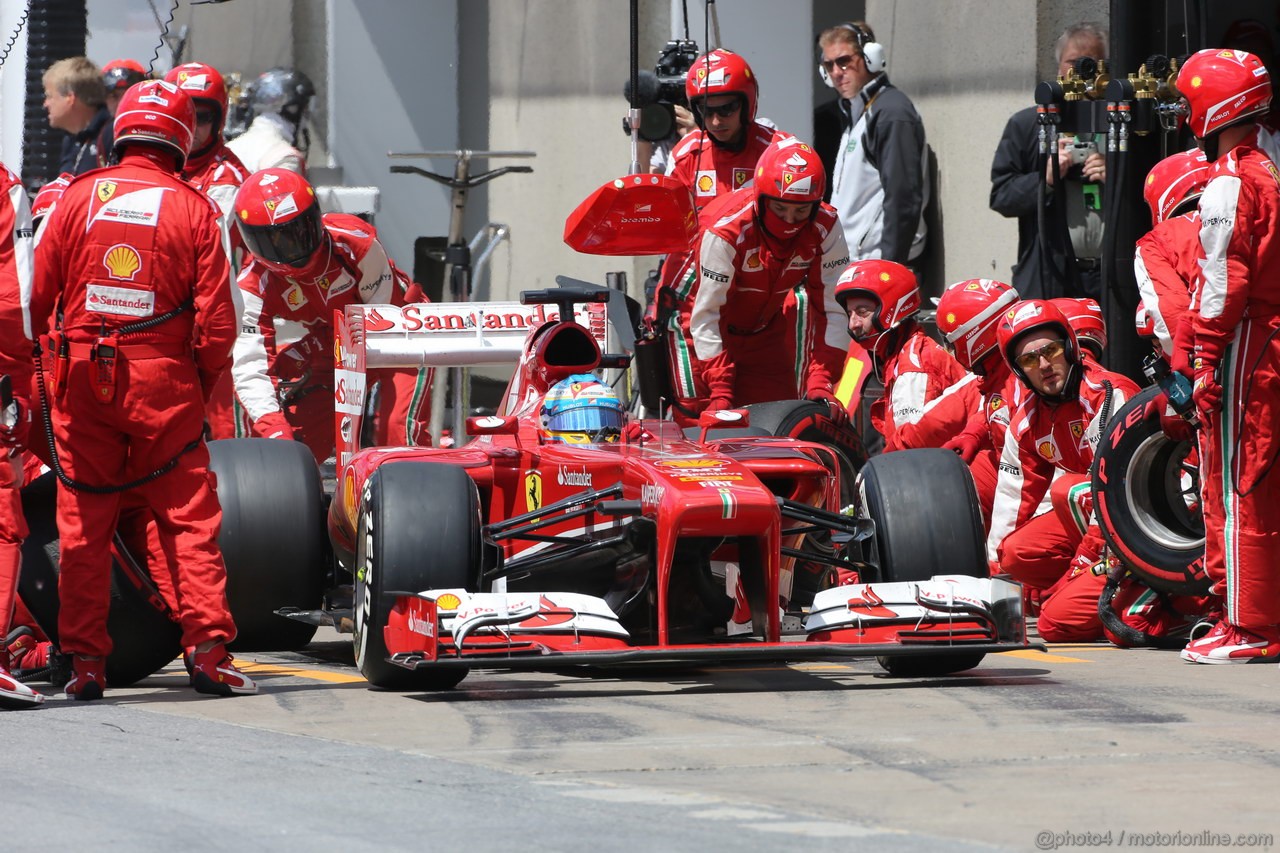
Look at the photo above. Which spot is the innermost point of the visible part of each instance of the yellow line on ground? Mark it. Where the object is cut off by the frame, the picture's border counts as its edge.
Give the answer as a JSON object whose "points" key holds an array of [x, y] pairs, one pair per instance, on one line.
{"points": [[1043, 657], [313, 674]]}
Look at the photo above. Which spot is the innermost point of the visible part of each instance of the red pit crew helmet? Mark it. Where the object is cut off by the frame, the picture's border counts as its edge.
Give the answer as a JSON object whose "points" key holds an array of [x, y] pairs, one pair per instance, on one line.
{"points": [[1175, 182], [1028, 316], [891, 286], [1085, 317], [722, 72], [968, 314], [279, 218], [156, 113], [204, 84], [49, 195], [1222, 88]]}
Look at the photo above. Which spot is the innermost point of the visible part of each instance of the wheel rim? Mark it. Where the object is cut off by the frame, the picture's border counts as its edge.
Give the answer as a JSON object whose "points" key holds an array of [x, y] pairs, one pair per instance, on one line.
{"points": [[1162, 490]]}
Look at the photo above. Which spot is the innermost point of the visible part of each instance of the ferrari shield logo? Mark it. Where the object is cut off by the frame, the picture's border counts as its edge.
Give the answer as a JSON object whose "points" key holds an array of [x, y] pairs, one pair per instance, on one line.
{"points": [[533, 491], [1077, 430], [740, 178], [106, 189]]}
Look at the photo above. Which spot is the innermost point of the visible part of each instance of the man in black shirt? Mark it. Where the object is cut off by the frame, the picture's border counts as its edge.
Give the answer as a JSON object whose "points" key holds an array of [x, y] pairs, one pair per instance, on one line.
{"points": [[75, 99]]}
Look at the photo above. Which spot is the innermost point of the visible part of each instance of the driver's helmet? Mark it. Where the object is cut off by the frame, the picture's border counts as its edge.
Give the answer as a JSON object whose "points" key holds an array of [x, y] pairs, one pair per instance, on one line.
{"points": [[582, 410]]}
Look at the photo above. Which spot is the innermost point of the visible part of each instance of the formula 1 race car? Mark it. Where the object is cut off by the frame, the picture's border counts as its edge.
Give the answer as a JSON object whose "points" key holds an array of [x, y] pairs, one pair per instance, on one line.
{"points": [[643, 545], [763, 534]]}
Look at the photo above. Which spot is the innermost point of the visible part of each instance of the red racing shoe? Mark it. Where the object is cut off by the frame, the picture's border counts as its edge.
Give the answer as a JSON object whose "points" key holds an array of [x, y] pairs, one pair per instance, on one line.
{"points": [[212, 672], [1228, 643], [88, 678]]}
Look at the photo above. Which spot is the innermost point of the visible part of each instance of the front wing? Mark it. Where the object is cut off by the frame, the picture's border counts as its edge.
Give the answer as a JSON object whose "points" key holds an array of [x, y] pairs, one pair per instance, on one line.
{"points": [[943, 616]]}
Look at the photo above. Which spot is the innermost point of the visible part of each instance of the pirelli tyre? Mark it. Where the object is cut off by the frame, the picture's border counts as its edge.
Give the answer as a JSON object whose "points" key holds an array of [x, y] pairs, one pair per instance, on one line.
{"points": [[144, 638], [806, 420], [419, 528], [272, 538], [928, 522], [1146, 498]]}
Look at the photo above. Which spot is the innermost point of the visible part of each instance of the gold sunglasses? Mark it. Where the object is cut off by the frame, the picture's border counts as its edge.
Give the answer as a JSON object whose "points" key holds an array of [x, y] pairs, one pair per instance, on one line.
{"points": [[1048, 352]]}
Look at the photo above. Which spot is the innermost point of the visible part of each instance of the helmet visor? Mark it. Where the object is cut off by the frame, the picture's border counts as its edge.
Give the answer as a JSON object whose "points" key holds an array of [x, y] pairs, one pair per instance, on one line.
{"points": [[289, 243], [595, 420]]}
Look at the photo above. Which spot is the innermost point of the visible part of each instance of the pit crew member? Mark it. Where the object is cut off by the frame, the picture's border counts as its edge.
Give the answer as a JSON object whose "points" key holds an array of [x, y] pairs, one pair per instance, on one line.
{"points": [[280, 98], [1231, 350], [303, 268], [767, 240], [133, 258], [1055, 428], [882, 300], [15, 422]]}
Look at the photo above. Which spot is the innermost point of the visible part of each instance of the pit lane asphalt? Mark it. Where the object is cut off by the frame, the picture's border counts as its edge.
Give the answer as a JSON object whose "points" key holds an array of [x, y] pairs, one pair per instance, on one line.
{"points": [[1085, 739]]}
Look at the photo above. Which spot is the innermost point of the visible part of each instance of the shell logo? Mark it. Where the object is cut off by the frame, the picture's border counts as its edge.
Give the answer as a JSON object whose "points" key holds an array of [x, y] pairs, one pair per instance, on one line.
{"points": [[705, 184], [1047, 450], [951, 318], [244, 214], [1196, 81], [448, 601], [884, 276], [122, 262]]}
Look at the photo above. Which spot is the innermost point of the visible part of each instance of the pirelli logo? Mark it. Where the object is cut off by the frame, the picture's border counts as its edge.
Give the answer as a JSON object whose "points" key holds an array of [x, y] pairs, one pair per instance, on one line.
{"points": [[715, 276]]}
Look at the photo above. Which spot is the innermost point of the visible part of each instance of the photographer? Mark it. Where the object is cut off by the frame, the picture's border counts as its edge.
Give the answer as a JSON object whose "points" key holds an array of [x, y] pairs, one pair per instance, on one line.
{"points": [[1019, 189]]}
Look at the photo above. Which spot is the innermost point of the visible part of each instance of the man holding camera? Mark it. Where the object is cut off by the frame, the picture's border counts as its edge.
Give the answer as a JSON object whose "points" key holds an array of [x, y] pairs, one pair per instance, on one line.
{"points": [[879, 183], [1019, 188]]}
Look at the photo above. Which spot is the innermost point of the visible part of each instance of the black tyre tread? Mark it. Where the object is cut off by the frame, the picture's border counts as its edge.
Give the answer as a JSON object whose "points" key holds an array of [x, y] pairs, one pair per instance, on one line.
{"points": [[1163, 568], [928, 522], [272, 538], [425, 535]]}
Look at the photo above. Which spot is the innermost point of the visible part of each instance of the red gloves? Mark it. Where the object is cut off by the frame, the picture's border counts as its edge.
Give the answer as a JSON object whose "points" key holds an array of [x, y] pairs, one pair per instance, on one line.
{"points": [[635, 433], [13, 436], [1175, 427], [1206, 390], [718, 372], [1183, 347], [966, 445], [839, 414], [273, 425]]}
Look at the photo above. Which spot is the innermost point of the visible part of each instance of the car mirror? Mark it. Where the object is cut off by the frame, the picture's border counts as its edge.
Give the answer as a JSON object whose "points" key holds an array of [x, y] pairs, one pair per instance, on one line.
{"points": [[722, 419], [492, 425]]}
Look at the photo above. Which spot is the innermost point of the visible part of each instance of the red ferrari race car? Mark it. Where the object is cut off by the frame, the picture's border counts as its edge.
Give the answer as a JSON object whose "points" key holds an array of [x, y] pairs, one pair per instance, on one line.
{"points": [[545, 543], [765, 534]]}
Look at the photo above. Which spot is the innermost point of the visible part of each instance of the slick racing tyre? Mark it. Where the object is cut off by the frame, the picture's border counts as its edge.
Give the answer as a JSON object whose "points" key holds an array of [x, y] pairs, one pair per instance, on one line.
{"points": [[144, 638], [1146, 497], [928, 522], [272, 538], [806, 420], [419, 529]]}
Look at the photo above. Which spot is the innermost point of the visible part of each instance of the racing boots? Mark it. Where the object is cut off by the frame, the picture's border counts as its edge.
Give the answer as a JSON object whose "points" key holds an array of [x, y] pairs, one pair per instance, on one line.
{"points": [[213, 673], [88, 678], [1227, 643]]}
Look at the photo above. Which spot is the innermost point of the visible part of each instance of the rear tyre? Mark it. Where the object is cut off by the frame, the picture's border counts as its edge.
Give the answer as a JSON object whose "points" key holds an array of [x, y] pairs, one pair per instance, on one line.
{"points": [[1146, 497], [419, 529], [928, 522], [144, 637], [272, 538]]}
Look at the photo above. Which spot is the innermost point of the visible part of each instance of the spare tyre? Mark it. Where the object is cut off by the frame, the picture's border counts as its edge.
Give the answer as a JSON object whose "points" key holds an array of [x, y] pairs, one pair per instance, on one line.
{"points": [[1146, 498]]}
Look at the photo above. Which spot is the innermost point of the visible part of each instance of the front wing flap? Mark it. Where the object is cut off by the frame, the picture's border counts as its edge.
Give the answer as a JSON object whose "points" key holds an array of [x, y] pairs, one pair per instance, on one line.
{"points": [[452, 628]]}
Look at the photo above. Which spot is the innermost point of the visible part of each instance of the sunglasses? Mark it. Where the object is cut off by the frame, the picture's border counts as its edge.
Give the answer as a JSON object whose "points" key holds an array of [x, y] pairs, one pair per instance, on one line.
{"points": [[206, 116], [1048, 352], [841, 62], [723, 110]]}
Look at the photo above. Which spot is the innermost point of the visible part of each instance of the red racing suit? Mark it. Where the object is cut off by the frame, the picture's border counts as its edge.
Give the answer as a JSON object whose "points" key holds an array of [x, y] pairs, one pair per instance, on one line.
{"points": [[1235, 316], [917, 373], [219, 174], [129, 245], [16, 238], [358, 271], [737, 347], [1166, 262], [710, 171]]}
